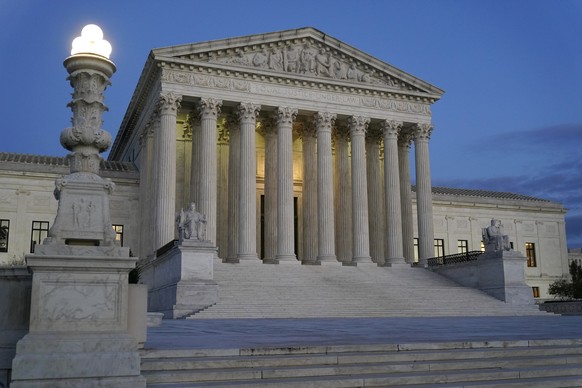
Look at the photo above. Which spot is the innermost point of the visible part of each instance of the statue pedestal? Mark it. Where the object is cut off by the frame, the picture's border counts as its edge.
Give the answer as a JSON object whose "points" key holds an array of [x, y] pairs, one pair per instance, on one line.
{"points": [[180, 280], [502, 275], [78, 320]]}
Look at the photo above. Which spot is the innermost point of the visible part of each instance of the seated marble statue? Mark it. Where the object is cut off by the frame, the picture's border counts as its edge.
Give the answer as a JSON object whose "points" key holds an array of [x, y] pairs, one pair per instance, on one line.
{"points": [[494, 239], [191, 224]]}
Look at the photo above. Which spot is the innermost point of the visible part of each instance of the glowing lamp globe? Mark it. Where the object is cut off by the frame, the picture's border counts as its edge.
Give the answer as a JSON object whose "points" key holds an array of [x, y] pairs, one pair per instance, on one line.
{"points": [[91, 42]]}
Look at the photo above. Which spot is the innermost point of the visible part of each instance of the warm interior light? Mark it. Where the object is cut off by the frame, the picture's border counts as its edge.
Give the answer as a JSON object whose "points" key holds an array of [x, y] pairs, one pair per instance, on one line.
{"points": [[91, 41]]}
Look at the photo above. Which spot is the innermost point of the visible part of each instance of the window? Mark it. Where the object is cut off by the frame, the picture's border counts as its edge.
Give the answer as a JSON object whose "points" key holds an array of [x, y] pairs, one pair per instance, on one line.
{"points": [[4, 233], [462, 246], [439, 247], [536, 292], [39, 233], [416, 250], [530, 252], [482, 246], [118, 233]]}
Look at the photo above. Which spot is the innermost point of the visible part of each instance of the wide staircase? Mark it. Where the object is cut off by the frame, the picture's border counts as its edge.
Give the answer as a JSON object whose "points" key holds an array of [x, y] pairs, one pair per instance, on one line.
{"points": [[302, 291], [542, 364]]}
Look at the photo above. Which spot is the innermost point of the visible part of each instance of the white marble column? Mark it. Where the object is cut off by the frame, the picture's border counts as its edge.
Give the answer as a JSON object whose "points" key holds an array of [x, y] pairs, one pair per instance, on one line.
{"points": [[145, 187], [194, 122], [247, 113], [375, 195], [324, 122], [270, 205], [233, 189], [343, 191], [404, 141], [285, 236], [360, 231], [222, 197], [165, 152], [395, 255], [208, 110], [422, 134], [310, 192]]}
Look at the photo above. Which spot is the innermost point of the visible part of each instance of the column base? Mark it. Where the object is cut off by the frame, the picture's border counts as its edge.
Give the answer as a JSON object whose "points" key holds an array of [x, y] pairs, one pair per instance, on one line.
{"points": [[282, 258], [394, 261], [248, 257], [363, 260]]}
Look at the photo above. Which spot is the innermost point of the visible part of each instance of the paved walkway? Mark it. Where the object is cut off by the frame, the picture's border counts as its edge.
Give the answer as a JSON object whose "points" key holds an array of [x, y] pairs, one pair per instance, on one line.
{"points": [[253, 333]]}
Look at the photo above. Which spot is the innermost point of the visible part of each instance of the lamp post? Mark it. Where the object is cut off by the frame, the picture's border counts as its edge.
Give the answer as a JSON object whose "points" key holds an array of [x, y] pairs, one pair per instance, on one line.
{"points": [[78, 334]]}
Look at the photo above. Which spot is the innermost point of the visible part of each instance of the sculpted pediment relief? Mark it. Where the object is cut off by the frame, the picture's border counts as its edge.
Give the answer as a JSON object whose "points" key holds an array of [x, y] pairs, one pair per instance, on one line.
{"points": [[309, 58]]}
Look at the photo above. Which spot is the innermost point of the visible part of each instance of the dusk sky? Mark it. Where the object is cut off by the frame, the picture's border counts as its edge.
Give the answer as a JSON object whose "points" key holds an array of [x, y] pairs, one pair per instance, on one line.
{"points": [[510, 118]]}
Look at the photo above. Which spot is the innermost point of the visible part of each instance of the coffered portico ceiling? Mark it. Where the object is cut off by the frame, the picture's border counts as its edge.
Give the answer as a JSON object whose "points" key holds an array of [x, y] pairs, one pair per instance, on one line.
{"points": [[304, 65]]}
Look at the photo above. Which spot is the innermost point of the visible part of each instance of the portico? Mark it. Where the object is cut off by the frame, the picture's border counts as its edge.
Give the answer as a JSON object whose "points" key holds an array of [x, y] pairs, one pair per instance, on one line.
{"points": [[294, 146]]}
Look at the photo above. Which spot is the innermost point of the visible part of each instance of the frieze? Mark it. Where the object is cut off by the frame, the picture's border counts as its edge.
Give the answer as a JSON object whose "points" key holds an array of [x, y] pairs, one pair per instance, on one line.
{"points": [[210, 81], [307, 58]]}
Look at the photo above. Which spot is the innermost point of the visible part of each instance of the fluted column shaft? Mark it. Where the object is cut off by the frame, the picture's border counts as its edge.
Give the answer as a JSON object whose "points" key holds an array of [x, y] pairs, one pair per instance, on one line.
{"points": [[344, 196], [404, 140], [310, 192], [285, 236], [360, 231], [233, 190], [165, 151], [248, 113], [395, 253], [423, 193], [145, 176], [375, 197], [325, 205], [222, 184], [270, 209], [208, 110], [194, 123]]}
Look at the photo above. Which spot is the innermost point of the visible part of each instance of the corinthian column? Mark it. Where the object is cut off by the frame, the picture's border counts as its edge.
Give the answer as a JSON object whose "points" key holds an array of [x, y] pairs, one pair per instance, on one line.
{"points": [[404, 141], [423, 192], [310, 173], [247, 247], [233, 190], [285, 236], [146, 184], [343, 202], [270, 221], [324, 121], [375, 197], [208, 109], [165, 157], [392, 192], [360, 231]]}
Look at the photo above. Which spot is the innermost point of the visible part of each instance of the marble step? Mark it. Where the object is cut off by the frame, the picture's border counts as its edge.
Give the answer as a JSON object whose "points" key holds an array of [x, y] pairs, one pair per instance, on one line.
{"points": [[504, 363]]}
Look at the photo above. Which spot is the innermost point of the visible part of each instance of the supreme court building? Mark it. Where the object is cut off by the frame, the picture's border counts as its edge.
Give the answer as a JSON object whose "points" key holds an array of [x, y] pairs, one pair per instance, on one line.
{"points": [[297, 148]]}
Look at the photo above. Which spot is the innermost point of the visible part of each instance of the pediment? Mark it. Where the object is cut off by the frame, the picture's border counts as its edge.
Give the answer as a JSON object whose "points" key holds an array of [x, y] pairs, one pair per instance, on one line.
{"points": [[304, 53]]}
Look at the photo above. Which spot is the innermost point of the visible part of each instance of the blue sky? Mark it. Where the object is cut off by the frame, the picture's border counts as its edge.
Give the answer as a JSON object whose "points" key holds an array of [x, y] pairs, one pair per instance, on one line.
{"points": [[510, 120]]}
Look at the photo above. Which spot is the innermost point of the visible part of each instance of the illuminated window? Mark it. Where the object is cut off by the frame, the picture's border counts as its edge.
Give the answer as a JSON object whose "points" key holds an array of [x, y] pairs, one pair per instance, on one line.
{"points": [[462, 246], [39, 233], [439, 247], [4, 233], [530, 252], [536, 292], [118, 233], [482, 246], [416, 251]]}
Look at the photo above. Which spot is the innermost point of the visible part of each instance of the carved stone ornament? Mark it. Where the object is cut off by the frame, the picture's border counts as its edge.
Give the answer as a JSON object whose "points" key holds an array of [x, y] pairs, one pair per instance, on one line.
{"points": [[405, 138], [248, 111], [169, 103], [358, 125], [285, 116], [209, 108], [306, 57], [422, 131], [391, 128], [324, 121]]}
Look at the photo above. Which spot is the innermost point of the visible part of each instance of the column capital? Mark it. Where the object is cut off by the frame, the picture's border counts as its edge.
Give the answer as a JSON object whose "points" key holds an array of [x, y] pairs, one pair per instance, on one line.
{"points": [[306, 129], [248, 111], [391, 128], [341, 131], [374, 134], [169, 103], [358, 125], [324, 121], [422, 131], [405, 139], [208, 108], [285, 116], [266, 125]]}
